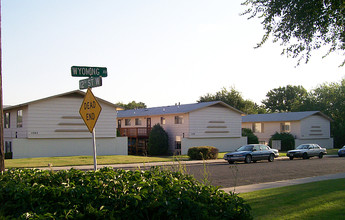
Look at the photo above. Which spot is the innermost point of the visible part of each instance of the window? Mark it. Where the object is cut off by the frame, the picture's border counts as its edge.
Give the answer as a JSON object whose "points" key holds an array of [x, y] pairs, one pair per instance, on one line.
{"points": [[285, 127], [258, 128], [137, 121], [7, 120], [127, 122], [162, 121], [19, 118], [178, 119]]}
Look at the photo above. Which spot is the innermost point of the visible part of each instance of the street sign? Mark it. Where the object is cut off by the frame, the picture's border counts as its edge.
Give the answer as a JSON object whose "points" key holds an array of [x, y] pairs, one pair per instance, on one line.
{"points": [[87, 71], [90, 110], [90, 82]]}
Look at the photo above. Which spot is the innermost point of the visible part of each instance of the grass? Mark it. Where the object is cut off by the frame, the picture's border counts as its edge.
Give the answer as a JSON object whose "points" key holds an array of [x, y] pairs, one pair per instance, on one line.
{"points": [[102, 160], [86, 160], [317, 200]]}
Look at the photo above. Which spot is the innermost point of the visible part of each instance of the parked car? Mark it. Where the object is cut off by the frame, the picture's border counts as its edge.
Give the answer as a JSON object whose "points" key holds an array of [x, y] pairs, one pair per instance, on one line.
{"points": [[306, 151], [341, 152], [252, 152]]}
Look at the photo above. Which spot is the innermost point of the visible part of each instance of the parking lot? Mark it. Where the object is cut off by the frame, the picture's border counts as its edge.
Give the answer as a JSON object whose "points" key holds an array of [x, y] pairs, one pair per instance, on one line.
{"points": [[226, 175]]}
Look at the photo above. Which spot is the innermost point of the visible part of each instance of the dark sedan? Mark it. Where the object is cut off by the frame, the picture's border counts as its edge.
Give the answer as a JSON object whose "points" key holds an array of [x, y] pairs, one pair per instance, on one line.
{"points": [[252, 152]]}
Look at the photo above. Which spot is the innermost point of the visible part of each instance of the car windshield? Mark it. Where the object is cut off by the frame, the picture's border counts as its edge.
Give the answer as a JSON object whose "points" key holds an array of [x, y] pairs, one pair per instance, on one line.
{"points": [[303, 146], [245, 148]]}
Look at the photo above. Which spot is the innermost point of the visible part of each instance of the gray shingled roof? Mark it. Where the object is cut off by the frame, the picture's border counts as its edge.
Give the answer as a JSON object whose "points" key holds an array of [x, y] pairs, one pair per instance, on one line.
{"points": [[286, 116], [173, 109]]}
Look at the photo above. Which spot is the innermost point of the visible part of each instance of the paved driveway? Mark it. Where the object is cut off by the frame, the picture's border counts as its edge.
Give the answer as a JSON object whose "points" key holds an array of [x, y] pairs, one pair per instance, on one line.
{"points": [[225, 175]]}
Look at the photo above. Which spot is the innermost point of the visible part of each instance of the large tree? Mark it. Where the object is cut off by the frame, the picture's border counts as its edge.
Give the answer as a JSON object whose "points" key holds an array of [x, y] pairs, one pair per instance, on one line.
{"points": [[234, 99], [329, 98], [301, 26], [132, 105], [285, 99]]}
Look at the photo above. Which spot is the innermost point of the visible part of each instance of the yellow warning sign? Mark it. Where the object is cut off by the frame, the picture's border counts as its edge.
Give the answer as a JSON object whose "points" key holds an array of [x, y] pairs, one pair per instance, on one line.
{"points": [[90, 110]]}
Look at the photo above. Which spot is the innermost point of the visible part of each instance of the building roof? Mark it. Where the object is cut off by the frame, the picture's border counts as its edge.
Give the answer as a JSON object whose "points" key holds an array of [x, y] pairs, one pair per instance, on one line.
{"points": [[174, 109], [75, 93], [285, 116]]}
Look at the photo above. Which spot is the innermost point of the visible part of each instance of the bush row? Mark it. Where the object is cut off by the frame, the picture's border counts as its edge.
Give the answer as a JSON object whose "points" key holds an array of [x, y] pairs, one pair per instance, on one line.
{"points": [[113, 194], [202, 153]]}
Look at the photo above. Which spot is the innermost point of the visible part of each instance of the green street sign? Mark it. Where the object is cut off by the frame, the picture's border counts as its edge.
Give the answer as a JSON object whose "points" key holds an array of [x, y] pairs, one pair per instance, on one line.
{"points": [[87, 71], [90, 82]]}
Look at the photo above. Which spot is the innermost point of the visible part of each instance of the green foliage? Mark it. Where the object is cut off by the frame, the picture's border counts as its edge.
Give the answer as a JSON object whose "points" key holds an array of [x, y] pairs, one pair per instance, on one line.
{"points": [[203, 153], [113, 194], [287, 140], [285, 99], [158, 141], [251, 137], [234, 99], [132, 105], [301, 26]]}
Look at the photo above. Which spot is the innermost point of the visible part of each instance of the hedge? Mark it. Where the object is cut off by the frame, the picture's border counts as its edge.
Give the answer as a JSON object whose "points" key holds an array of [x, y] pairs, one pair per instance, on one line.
{"points": [[114, 194], [203, 152]]}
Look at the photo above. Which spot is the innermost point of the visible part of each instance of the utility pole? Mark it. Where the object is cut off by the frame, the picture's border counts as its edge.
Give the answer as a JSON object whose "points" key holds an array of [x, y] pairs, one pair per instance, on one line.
{"points": [[2, 152]]}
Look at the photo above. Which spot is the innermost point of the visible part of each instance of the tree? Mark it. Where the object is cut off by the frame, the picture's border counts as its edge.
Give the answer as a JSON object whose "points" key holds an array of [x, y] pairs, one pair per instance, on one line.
{"points": [[285, 99], [329, 99], [234, 99], [251, 137], [301, 26], [132, 105], [158, 141]]}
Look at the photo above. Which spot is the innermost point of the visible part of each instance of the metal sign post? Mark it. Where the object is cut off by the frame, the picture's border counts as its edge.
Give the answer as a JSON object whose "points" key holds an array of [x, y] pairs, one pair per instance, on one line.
{"points": [[90, 108], [94, 149], [89, 111]]}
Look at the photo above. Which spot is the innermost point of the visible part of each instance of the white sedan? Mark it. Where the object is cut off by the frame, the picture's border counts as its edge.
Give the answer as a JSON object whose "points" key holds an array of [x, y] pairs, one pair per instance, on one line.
{"points": [[306, 151]]}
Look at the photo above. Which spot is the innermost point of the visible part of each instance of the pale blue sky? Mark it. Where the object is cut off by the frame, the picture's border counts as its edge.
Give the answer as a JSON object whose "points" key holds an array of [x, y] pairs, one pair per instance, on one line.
{"points": [[159, 52]]}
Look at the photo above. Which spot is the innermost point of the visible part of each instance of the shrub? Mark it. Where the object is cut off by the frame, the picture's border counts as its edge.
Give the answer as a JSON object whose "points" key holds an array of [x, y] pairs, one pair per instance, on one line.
{"points": [[204, 152], [158, 141], [287, 140], [114, 194], [252, 138]]}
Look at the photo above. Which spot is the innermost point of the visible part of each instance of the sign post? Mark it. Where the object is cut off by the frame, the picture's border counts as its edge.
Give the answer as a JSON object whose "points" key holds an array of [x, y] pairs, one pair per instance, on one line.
{"points": [[89, 111], [90, 108]]}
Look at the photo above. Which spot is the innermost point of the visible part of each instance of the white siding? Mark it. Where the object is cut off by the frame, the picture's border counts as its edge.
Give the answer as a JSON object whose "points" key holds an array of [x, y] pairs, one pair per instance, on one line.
{"points": [[13, 131], [28, 148], [315, 127], [60, 118], [214, 121]]}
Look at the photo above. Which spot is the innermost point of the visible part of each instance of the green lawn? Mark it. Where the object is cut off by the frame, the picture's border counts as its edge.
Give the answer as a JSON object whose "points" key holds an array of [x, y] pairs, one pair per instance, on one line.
{"points": [[101, 160], [86, 160], [317, 200]]}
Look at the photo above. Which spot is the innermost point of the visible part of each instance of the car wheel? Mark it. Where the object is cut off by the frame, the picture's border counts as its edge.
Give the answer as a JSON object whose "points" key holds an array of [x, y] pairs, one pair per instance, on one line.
{"points": [[248, 159], [305, 156], [271, 158], [320, 155], [231, 162], [291, 158]]}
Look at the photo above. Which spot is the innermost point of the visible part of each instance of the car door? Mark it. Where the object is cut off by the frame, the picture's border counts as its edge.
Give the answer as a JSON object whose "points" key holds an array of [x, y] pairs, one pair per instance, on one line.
{"points": [[264, 152], [311, 150], [256, 154]]}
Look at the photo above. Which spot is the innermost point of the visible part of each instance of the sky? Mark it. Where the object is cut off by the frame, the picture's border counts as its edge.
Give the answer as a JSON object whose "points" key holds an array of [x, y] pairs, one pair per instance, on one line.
{"points": [[159, 52]]}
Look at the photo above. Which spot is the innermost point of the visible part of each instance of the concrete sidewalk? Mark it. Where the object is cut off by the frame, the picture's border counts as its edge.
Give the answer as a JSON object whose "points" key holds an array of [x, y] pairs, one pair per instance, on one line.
{"points": [[260, 186]]}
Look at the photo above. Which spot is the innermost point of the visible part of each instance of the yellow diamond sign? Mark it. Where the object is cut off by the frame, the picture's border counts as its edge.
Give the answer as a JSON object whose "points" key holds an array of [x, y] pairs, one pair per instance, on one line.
{"points": [[90, 110]]}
